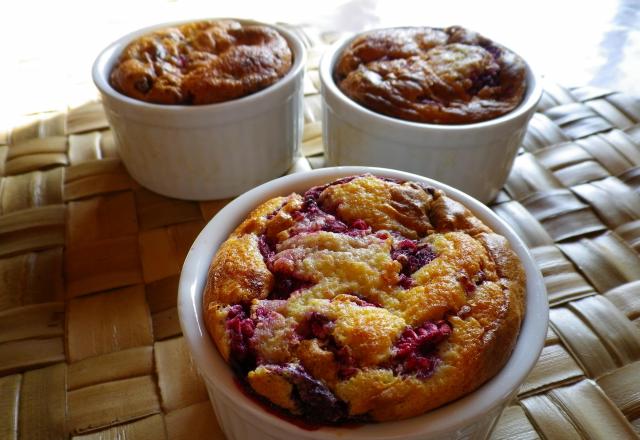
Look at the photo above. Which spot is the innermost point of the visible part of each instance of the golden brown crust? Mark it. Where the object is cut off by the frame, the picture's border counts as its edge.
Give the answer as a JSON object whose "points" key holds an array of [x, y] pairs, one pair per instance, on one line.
{"points": [[238, 272], [500, 341], [303, 301], [201, 63], [449, 215], [421, 74], [403, 209]]}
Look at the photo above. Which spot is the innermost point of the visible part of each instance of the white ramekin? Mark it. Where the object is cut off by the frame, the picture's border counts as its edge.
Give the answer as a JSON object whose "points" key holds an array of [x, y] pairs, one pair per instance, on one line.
{"points": [[206, 151], [470, 417], [475, 158]]}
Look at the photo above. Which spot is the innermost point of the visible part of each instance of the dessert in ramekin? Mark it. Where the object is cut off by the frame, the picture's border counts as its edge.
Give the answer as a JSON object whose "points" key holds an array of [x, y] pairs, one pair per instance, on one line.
{"points": [[445, 103], [470, 416], [365, 299], [203, 62], [439, 76], [247, 127]]}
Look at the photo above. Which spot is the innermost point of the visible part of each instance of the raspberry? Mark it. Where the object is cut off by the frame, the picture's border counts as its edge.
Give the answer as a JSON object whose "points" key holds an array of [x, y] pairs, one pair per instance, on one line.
{"points": [[316, 325], [312, 395], [415, 351], [412, 256], [240, 329]]}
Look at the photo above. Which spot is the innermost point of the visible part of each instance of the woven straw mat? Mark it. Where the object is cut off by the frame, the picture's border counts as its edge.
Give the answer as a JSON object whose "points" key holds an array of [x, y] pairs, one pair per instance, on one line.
{"points": [[90, 346]]}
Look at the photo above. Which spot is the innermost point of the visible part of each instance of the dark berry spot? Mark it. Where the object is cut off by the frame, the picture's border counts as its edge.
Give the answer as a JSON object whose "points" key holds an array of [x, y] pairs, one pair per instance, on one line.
{"points": [[333, 225], [240, 329], [315, 325], [469, 285], [314, 192], [481, 277], [282, 265], [347, 364], [360, 224], [406, 282], [355, 233], [267, 310], [143, 85], [284, 286], [313, 219], [236, 310], [415, 350], [489, 78], [495, 51], [390, 180], [363, 301], [412, 256], [319, 326], [313, 396], [266, 247], [382, 235], [428, 189]]}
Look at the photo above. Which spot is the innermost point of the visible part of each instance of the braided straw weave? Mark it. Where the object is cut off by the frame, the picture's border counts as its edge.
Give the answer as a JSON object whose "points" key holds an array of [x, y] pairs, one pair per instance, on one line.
{"points": [[90, 346]]}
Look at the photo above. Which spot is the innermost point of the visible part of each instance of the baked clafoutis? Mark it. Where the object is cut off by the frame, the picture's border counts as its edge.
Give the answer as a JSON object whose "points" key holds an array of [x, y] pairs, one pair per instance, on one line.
{"points": [[431, 75], [203, 62], [366, 299]]}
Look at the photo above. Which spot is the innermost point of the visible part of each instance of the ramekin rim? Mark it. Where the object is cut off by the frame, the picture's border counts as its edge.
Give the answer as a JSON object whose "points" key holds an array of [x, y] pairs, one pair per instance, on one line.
{"points": [[509, 378], [114, 49], [327, 63]]}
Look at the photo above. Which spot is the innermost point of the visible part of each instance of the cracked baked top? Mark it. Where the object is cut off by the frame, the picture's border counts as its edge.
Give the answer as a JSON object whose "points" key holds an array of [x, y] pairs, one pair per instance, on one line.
{"points": [[201, 63], [423, 74], [365, 299]]}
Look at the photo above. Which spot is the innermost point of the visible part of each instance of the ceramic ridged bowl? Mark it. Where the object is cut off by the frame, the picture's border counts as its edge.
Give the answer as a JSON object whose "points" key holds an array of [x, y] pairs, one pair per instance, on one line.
{"points": [[211, 151], [242, 418]]}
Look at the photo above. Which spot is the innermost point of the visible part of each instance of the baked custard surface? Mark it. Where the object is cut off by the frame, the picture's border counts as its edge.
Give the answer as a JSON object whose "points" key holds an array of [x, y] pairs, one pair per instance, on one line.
{"points": [[365, 299], [202, 63], [431, 75]]}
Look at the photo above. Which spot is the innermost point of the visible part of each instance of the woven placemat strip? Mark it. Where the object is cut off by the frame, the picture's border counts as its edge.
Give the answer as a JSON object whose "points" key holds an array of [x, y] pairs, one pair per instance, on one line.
{"points": [[90, 345]]}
